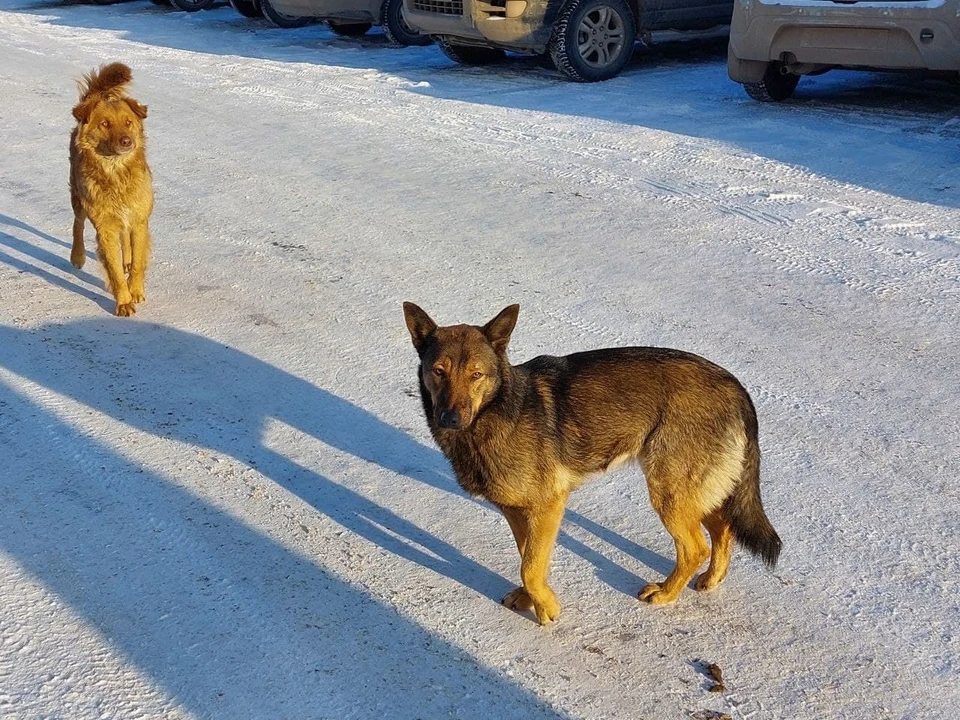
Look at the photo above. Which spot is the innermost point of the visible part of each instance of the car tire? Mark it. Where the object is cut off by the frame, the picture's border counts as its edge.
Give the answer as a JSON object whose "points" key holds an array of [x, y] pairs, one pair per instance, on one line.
{"points": [[777, 84], [247, 8], [593, 40], [396, 28], [282, 20], [349, 29], [470, 54], [192, 5]]}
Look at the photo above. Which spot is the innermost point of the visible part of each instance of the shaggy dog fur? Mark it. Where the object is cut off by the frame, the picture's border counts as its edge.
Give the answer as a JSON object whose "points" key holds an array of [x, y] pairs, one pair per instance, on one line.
{"points": [[110, 182]]}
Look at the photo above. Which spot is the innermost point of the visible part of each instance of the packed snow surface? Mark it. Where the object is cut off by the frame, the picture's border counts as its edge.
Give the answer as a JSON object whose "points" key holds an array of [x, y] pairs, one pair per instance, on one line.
{"points": [[230, 507]]}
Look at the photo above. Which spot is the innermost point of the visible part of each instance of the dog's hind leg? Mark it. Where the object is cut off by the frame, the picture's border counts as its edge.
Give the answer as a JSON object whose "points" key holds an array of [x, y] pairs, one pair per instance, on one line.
{"points": [[721, 548], [109, 252], [683, 524], [140, 247], [518, 598], [78, 253]]}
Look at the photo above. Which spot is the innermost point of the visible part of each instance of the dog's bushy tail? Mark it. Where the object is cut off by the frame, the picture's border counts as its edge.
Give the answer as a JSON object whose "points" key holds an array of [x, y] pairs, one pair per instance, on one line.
{"points": [[108, 80], [743, 509]]}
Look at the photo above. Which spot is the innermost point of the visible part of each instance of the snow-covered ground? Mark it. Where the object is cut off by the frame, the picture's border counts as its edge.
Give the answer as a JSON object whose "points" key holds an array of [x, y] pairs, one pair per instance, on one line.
{"points": [[229, 506]]}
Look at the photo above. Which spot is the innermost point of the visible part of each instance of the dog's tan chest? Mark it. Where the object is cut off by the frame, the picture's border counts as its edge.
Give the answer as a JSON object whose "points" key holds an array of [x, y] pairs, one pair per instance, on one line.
{"points": [[501, 474]]}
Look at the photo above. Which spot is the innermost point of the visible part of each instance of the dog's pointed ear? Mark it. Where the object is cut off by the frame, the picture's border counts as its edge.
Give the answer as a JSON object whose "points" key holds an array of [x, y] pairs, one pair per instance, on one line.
{"points": [[139, 109], [499, 329], [82, 110], [419, 324]]}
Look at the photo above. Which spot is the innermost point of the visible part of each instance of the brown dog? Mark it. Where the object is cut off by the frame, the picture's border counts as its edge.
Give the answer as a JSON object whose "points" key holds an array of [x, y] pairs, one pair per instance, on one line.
{"points": [[110, 182], [525, 436]]}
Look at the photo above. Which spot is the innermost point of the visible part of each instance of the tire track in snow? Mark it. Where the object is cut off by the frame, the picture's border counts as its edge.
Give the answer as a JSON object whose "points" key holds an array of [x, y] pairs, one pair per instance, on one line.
{"points": [[676, 172], [317, 89], [536, 145]]}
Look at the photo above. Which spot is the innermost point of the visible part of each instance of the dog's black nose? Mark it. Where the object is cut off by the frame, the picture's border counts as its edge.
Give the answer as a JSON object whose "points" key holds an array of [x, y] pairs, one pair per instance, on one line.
{"points": [[126, 141], [450, 419]]}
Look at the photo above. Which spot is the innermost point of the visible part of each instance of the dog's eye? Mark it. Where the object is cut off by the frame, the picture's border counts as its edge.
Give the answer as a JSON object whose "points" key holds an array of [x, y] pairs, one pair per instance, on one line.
{"points": [[477, 375], [438, 371], [129, 123], [105, 124]]}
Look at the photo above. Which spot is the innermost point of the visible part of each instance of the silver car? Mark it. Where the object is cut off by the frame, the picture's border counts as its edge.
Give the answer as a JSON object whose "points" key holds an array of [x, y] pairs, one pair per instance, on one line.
{"points": [[774, 42]]}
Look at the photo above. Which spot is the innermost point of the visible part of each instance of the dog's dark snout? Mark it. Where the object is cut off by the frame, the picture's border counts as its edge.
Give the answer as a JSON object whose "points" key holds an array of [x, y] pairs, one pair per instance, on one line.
{"points": [[450, 419], [126, 141]]}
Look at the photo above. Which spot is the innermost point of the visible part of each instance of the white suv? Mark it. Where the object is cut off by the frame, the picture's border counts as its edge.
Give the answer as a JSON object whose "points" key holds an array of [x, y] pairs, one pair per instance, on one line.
{"points": [[774, 42]]}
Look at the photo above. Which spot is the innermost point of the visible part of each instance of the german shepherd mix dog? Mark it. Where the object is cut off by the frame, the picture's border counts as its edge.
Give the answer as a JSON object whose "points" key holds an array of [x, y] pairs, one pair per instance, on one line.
{"points": [[525, 436], [110, 182]]}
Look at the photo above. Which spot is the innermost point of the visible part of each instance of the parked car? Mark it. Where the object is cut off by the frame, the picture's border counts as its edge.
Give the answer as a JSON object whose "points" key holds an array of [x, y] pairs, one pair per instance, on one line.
{"points": [[247, 8], [187, 5], [276, 17], [351, 17], [773, 44], [587, 40]]}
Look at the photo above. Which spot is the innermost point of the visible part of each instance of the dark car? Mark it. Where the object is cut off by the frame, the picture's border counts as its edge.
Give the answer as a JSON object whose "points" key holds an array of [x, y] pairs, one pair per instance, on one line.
{"points": [[346, 17], [587, 40]]}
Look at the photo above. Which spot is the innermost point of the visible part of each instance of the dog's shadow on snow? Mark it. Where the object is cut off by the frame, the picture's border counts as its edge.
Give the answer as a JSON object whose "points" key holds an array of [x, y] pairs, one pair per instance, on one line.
{"points": [[183, 386], [313, 411], [226, 621], [88, 286]]}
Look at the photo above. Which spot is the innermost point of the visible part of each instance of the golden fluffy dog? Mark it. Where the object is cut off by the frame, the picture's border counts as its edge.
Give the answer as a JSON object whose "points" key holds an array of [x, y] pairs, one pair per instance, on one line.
{"points": [[110, 182]]}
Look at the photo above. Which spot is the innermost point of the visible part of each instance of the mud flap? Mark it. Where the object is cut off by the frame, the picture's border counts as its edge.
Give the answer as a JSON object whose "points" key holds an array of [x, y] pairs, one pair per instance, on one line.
{"points": [[744, 71]]}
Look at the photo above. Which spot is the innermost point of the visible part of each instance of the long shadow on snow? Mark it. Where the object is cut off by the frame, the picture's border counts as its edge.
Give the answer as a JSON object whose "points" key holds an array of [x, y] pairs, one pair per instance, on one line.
{"points": [[175, 384], [618, 577], [46, 257], [226, 621], [672, 87], [182, 386]]}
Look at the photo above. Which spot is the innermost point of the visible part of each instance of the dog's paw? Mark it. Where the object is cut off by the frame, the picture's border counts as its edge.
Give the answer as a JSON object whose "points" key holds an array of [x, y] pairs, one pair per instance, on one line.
{"points": [[138, 295], [655, 595], [125, 309], [547, 609], [705, 583], [78, 259], [517, 599]]}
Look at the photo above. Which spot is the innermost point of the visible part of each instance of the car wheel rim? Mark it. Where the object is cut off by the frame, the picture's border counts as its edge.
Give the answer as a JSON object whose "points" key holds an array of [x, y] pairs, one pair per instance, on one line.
{"points": [[600, 37]]}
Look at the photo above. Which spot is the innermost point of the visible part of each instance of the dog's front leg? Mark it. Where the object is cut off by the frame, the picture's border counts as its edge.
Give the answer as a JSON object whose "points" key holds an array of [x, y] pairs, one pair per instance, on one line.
{"points": [[543, 524], [78, 253], [517, 519], [125, 250], [140, 253], [517, 599], [110, 254]]}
